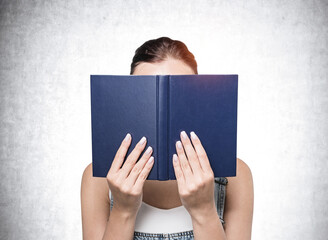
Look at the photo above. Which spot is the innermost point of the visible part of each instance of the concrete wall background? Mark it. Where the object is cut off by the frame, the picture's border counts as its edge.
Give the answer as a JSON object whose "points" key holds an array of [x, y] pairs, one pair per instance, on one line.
{"points": [[49, 49]]}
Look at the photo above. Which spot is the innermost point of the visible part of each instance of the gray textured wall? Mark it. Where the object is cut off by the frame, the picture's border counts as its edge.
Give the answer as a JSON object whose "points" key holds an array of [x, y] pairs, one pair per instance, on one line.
{"points": [[49, 49]]}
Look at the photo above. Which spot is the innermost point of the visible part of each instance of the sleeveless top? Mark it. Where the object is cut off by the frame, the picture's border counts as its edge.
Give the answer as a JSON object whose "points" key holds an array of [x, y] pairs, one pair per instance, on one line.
{"points": [[175, 223]]}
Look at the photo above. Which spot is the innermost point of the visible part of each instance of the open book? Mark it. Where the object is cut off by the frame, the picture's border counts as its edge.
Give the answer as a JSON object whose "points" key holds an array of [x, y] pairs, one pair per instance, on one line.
{"points": [[159, 107]]}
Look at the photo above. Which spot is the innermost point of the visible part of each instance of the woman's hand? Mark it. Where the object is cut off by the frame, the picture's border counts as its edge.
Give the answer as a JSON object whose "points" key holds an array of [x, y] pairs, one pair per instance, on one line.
{"points": [[194, 176], [126, 183]]}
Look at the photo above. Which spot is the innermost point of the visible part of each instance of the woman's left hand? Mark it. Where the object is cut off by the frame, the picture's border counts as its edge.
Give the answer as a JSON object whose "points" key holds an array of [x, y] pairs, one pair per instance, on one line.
{"points": [[194, 176]]}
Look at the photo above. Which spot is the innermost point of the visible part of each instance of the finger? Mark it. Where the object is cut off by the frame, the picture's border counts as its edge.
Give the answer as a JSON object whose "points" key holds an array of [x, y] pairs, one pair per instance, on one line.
{"points": [[185, 167], [201, 153], [143, 175], [133, 157], [178, 171], [120, 154], [136, 170], [190, 152]]}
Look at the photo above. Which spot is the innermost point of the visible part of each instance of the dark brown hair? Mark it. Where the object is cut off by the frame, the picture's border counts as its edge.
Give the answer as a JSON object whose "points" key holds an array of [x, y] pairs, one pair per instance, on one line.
{"points": [[157, 50]]}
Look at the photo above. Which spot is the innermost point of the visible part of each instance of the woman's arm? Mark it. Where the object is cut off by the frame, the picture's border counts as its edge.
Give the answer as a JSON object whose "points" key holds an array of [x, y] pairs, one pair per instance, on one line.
{"points": [[97, 221], [208, 226], [238, 212]]}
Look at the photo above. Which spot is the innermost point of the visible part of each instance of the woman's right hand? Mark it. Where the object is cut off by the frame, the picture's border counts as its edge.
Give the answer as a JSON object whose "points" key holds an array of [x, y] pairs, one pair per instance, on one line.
{"points": [[126, 183]]}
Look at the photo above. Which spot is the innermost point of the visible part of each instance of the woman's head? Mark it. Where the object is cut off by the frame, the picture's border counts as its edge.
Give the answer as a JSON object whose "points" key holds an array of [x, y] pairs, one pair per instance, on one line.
{"points": [[163, 56]]}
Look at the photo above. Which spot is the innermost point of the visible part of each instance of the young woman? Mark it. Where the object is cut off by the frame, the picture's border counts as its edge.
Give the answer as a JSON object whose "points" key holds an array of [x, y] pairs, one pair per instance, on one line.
{"points": [[195, 206]]}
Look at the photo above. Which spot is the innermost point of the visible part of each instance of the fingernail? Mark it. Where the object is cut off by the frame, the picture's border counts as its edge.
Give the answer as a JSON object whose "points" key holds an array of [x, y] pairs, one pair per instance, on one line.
{"points": [[179, 144], [151, 160], [193, 135], [142, 140], [175, 158], [127, 137], [148, 150], [184, 135]]}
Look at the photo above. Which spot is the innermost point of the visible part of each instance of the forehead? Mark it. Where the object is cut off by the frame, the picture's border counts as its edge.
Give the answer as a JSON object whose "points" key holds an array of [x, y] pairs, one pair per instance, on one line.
{"points": [[166, 67]]}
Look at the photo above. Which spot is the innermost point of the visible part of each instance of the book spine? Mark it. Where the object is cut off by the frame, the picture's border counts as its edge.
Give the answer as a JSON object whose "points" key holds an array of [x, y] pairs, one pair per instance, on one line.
{"points": [[162, 127]]}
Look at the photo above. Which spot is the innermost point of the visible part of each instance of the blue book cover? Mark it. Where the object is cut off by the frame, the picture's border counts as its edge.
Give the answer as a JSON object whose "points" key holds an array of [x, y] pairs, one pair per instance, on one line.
{"points": [[159, 107]]}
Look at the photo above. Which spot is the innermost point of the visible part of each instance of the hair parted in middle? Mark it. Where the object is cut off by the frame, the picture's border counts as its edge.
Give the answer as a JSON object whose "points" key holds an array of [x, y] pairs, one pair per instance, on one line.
{"points": [[160, 49]]}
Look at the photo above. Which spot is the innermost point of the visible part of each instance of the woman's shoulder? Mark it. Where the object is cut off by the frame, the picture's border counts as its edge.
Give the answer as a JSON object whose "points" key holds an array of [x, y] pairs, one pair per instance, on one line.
{"points": [[243, 174], [96, 185], [240, 189]]}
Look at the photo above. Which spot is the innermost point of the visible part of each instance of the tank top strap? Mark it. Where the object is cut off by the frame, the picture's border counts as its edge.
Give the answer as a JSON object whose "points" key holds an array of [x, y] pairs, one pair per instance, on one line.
{"points": [[220, 195], [111, 199]]}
